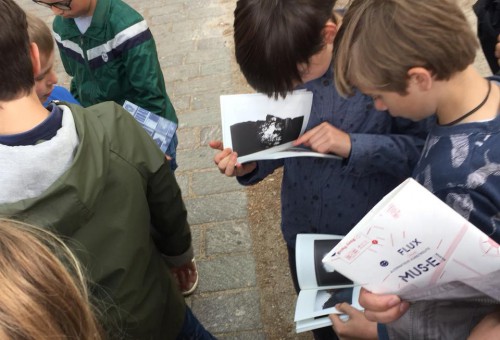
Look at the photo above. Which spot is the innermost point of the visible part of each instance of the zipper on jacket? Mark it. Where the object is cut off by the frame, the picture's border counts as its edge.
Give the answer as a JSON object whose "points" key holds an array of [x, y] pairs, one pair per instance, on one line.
{"points": [[94, 85]]}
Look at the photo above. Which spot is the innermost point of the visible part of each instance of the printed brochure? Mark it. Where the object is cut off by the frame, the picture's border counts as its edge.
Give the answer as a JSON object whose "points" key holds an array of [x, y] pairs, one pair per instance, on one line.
{"points": [[258, 127], [320, 290], [160, 129], [412, 241]]}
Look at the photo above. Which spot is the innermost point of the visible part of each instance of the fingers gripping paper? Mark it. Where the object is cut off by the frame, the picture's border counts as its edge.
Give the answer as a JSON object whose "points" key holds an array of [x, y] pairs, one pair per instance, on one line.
{"points": [[412, 240]]}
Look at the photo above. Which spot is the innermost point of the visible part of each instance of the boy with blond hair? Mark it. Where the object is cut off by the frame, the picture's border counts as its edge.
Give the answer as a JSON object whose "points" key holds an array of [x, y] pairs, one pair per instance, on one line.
{"points": [[46, 79], [414, 57]]}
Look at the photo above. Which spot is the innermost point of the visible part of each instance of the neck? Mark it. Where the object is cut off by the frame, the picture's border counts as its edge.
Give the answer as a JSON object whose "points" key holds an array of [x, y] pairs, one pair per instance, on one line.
{"points": [[21, 115], [463, 93], [92, 5]]}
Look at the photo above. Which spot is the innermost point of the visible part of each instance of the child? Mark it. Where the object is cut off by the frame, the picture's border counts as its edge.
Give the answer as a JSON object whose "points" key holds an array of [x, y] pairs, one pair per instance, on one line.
{"points": [[108, 49], [45, 296], [96, 178], [282, 45], [46, 80], [420, 56]]}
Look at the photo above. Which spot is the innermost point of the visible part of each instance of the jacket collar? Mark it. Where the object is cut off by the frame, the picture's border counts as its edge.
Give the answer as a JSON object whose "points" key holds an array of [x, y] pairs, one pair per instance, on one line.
{"points": [[70, 201], [98, 26]]}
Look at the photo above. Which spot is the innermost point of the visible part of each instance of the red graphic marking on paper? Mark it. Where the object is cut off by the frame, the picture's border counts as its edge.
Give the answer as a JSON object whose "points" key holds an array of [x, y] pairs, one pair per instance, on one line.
{"points": [[354, 247], [448, 252], [490, 247], [394, 211]]}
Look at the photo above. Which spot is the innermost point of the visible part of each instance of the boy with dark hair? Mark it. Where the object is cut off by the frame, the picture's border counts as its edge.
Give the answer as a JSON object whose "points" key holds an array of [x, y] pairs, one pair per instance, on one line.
{"points": [[108, 49], [421, 54], [97, 179], [286, 45]]}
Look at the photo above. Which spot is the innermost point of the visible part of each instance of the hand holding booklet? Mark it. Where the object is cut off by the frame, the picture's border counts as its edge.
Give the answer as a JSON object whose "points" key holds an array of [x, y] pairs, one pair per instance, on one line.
{"points": [[320, 290], [412, 241], [258, 127]]}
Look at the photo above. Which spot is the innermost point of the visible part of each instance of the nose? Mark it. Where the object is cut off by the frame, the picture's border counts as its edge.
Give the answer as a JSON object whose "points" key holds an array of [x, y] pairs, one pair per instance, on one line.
{"points": [[379, 104], [52, 78]]}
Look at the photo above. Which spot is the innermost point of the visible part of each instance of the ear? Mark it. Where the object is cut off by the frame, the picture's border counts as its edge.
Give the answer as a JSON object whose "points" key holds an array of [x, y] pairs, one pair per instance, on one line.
{"points": [[35, 59], [329, 32], [420, 77]]}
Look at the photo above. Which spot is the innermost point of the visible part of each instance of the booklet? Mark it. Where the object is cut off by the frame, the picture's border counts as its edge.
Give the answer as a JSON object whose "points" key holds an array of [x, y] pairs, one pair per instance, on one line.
{"points": [[160, 129], [258, 127], [320, 289], [412, 241]]}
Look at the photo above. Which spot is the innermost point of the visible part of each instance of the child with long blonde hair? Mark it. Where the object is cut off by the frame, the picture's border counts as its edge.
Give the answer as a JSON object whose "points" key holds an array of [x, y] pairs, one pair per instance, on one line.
{"points": [[44, 292]]}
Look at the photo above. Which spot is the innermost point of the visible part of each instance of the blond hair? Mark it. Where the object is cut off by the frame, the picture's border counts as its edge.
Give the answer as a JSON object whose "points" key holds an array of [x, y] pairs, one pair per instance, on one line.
{"points": [[44, 294], [380, 40], [40, 34]]}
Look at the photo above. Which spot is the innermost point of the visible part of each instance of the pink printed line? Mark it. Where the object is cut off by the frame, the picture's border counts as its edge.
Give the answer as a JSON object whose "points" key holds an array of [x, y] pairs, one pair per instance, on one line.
{"points": [[467, 267], [449, 252]]}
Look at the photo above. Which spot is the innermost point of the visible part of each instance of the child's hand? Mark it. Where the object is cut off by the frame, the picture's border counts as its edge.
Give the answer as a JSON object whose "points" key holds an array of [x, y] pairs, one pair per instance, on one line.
{"points": [[487, 328], [357, 327], [226, 161], [325, 138], [185, 275], [382, 308]]}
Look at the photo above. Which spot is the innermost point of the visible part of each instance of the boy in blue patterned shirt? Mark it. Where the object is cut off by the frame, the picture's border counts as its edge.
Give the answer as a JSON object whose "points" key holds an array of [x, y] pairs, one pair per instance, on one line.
{"points": [[421, 54]]}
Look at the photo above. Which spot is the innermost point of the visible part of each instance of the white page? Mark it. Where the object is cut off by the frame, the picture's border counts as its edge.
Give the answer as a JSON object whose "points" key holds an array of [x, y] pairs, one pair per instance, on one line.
{"points": [[255, 125], [312, 303], [320, 290], [412, 240]]}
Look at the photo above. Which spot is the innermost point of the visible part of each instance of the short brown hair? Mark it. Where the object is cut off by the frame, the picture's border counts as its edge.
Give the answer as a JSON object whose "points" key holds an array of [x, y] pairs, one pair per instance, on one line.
{"points": [[272, 36], [40, 34], [380, 40], [16, 71]]}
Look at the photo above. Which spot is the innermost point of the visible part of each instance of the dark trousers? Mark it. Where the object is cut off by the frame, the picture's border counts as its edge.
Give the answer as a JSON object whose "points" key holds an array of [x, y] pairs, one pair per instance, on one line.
{"points": [[192, 329]]}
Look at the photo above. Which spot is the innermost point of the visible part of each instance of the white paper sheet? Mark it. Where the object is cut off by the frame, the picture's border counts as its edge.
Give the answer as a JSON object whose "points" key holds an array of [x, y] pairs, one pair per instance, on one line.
{"points": [[412, 240]]}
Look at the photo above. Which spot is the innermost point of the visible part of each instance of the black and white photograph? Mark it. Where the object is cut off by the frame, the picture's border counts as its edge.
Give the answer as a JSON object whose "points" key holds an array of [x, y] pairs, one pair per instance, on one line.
{"points": [[257, 127], [321, 288], [254, 136], [325, 277]]}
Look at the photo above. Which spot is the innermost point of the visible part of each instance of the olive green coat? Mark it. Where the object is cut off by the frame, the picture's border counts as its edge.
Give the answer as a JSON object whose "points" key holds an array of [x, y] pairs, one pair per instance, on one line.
{"points": [[118, 185]]}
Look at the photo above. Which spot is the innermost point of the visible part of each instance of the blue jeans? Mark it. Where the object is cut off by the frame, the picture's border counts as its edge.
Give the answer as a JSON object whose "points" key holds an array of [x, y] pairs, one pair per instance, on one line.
{"points": [[172, 152], [192, 329]]}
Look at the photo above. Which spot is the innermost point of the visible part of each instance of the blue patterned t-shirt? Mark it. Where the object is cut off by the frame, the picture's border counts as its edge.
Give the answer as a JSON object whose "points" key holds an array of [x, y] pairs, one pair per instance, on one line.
{"points": [[461, 165]]}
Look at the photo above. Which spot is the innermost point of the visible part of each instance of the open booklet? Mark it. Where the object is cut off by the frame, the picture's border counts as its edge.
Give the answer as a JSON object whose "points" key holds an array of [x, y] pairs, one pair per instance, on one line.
{"points": [[320, 290], [160, 129], [258, 127], [412, 241]]}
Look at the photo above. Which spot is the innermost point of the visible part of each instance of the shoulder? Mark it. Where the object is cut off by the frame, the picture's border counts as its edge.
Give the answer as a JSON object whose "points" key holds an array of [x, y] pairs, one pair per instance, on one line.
{"points": [[126, 137], [114, 118], [121, 15]]}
